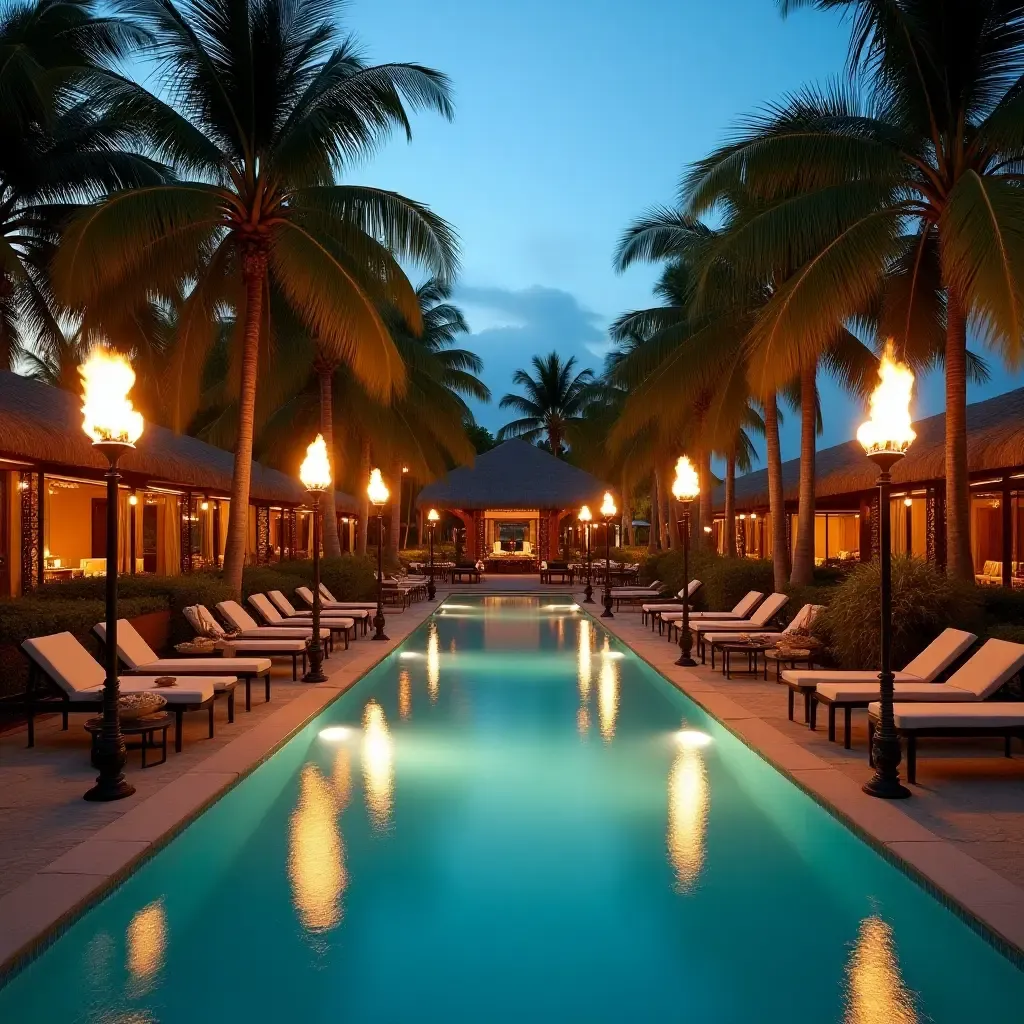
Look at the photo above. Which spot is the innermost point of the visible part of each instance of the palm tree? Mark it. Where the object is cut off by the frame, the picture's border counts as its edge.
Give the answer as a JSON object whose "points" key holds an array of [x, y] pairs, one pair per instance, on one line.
{"points": [[553, 404], [901, 199], [62, 146], [270, 102]]}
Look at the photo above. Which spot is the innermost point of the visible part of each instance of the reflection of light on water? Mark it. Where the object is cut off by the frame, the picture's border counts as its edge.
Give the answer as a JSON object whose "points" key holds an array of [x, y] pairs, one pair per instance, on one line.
{"points": [[433, 662], [583, 720], [688, 802], [451, 646], [146, 941], [608, 698], [316, 857], [875, 993], [560, 632], [583, 660], [378, 764], [404, 693]]}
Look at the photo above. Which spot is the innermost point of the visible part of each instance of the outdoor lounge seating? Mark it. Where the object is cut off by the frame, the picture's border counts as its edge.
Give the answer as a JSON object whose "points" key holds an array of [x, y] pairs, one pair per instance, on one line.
{"points": [[273, 618], [654, 610], [970, 721], [77, 681], [560, 572], [204, 624], [289, 611], [760, 619], [239, 619], [803, 619], [652, 589], [141, 659], [993, 664], [466, 573], [938, 656], [690, 590], [328, 603]]}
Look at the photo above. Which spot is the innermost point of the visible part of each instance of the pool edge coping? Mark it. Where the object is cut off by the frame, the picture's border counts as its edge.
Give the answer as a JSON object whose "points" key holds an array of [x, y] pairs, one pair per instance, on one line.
{"points": [[973, 917], [286, 729]]}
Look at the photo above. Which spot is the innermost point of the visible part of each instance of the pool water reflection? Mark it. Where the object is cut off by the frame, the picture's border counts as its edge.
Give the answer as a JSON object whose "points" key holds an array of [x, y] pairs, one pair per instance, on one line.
{"points": [[514, 819]]}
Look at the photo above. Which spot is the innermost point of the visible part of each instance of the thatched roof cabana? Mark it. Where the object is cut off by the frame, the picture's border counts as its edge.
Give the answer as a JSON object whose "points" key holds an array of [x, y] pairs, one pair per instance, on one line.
{"points": [[995, 441], [42, 425], [514, 475]]}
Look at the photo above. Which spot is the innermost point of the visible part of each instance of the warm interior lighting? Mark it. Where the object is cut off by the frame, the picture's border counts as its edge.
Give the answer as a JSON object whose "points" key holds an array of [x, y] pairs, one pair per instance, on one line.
{"points": [[204, 506], [686, 485], [378, 765], [315, 471], [608, 508], [584, 515], [707, 529], [888, 428], [316, 858], [22, 485], [133, 500], [743, 515], [107, 411], [405, 469], [753, 515], [433, 516], [377, 490], [908, 502]]}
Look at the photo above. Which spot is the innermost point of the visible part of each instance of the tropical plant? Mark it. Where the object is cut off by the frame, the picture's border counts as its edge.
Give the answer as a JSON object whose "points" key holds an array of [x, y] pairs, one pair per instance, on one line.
{"points": [[553, 402], [62, 146], [899, 196], [269, 102]]}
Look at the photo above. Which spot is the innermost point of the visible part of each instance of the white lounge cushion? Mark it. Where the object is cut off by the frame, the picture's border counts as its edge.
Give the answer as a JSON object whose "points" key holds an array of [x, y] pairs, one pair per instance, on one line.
{"points": [[200, 619], [993, 664], [241, 619], [66, 662], [846, 692], [196, 690], [982, 715], [233, 648], [281, 603], [725, 637], [266, 608], [818, 677], [197, 666], [940, 654]]}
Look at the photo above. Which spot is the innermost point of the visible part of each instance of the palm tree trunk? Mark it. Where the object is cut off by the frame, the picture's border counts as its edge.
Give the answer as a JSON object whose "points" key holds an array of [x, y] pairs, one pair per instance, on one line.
{"points": [[332, 543], [396, 511], [663, 512], [254, 269], [959, 562], [627, 513], [408, 519], [652, 530], [776, 499], [730, 504], [364, 499], [803, 556], [705, 505]]}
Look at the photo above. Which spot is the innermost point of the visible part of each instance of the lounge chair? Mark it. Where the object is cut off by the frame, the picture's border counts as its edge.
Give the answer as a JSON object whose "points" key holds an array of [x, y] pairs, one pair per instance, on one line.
{"points": [[249, 629], [289, 611], [992, 718], [741, 610], [205, 625], [141, 660], [273, 618], [977, 679], [78, 678], [328, 600], [652, 589], [690, 592], [938, 656], [760, 619], [802, 620]]}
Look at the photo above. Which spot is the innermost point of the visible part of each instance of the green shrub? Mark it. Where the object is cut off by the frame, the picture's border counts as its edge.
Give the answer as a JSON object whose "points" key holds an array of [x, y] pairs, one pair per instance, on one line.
{"points": [[24, 617], [351, 577], [924, 602], [1003, 604]]}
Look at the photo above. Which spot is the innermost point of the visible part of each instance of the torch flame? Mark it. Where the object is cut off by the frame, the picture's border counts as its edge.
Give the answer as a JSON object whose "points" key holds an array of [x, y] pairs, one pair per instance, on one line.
{"points": [[889, 427], [686, 485], [315, 472], [584, 514], [608, 509], [107, 412], [377, 490]]}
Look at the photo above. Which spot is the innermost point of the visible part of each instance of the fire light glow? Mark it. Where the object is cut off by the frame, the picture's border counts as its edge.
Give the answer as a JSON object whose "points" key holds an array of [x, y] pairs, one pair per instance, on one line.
{"points": [[315, 472], [686, 485], [377, 490], [107, 411], [889, 426]]}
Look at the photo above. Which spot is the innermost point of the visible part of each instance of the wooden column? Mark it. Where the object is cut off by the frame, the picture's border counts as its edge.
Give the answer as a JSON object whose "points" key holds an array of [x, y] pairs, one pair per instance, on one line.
{"points": [[41, 534], [262, 534], [185, 533], [866, 528], [1006, 508], [31, 530], [132, 515]]}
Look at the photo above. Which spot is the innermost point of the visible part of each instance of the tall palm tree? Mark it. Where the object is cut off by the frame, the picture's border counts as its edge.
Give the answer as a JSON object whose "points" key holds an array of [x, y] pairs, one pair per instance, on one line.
{"points": [[554, 402], [62, 146], [270, 102], [903, 198]]}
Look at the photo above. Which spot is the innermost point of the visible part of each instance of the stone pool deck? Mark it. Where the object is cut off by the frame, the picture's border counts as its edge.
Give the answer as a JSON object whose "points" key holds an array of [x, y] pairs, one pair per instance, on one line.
{"points": [[58, 853], [962, 832]]}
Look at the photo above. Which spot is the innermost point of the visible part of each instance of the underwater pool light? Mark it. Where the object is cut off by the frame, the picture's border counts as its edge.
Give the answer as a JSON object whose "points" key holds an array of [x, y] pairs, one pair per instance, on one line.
{"points": [[335, 733], [691, 738]]}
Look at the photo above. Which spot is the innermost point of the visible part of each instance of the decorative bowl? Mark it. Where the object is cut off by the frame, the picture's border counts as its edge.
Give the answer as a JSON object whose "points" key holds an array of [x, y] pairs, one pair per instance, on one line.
{"points": [[132, 706]]}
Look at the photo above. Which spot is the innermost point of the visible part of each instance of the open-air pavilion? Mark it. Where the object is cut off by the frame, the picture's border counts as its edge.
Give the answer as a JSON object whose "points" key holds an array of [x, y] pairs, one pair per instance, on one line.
{"points": [[512, 502]]}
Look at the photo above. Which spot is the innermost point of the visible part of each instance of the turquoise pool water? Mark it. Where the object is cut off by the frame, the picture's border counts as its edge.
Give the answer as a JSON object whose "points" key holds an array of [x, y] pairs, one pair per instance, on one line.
{"points": [[514, 819]]}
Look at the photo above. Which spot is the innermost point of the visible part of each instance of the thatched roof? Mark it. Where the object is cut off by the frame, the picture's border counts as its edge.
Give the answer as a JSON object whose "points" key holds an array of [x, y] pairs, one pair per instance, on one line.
{"points": [[42, 424], [515, 474], [995, 441]]}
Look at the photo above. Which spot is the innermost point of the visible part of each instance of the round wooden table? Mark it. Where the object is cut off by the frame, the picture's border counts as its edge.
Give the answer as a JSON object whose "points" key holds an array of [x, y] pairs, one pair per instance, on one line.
{"points": [[751, 648], [145, 728]]}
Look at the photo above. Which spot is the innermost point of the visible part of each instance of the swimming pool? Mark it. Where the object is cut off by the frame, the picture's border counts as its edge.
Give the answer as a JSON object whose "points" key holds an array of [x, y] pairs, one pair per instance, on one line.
{"points": [[514, 818]]}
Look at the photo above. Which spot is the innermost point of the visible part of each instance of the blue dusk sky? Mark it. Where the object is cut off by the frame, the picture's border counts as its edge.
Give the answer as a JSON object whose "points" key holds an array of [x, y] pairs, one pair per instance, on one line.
{"points": [[574, 116]]}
